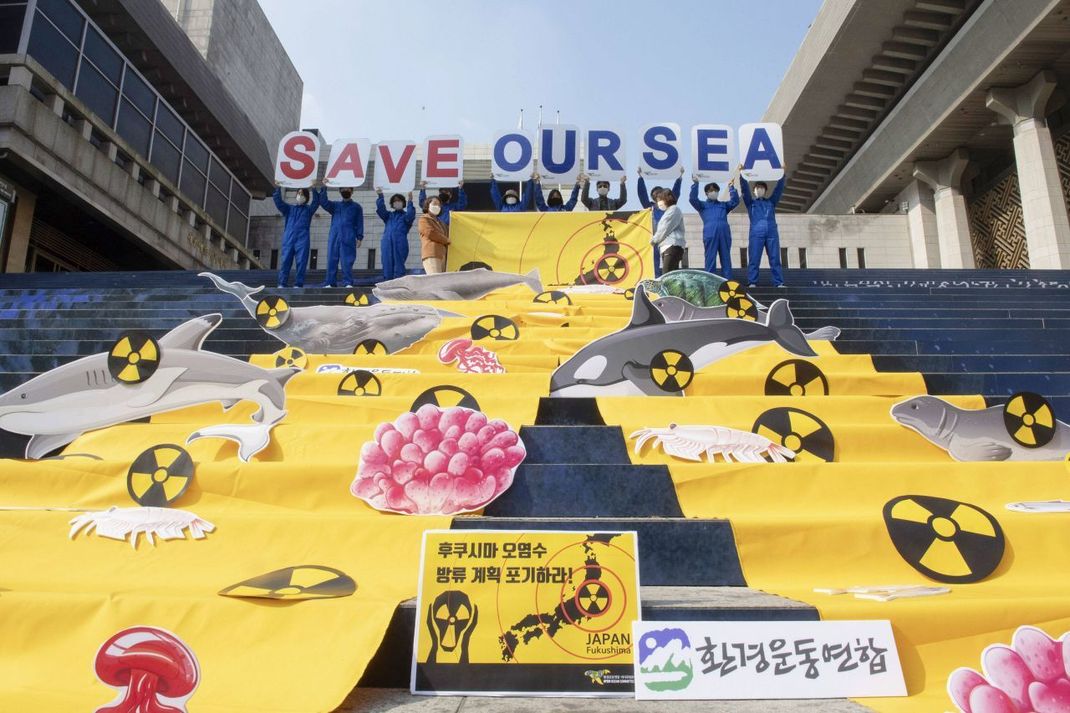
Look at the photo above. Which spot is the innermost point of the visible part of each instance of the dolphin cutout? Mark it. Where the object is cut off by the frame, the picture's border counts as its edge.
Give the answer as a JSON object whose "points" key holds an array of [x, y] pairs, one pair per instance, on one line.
{"points": [[618, 364], [466, 285], [677, 309], [56, 407]]}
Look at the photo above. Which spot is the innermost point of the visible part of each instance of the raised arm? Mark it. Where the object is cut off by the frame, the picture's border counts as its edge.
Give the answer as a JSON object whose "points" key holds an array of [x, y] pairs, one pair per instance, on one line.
{"points": [[623, 193], [423, 196], [328, 205], [585, 196], [461, 202], [495, 194], [570, 204], [778, 191], [540, 200], [693, 198], [282, 205], [644, 198], [410, 214], [380, 208], [525, 191], [744, 186], [678, 186], [733, 198]]}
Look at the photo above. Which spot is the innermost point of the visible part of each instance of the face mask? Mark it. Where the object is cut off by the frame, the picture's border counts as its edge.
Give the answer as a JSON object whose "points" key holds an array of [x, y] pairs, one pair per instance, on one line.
{"points": [[662, 205], [444, 197], [301, 200], [346, 195], [555, 201], [603, 191], [712, 195], [396, 206], [510, 201], [759, 193], [435, 209]]}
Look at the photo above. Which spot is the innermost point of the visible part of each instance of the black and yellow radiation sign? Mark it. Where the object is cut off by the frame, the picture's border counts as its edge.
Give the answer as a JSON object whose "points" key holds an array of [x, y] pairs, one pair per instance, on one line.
{"points": [[446, 396], [802, 432], [133, 358], [742, 307], [796, 377], [307, 581], [556, 297], [1029, 419], [629, 294], [496, 327], [272, 312], [160, 475], [730, 289], [946, 540], [526, 612], [360, 383], [358, 299], [671, 370], [291, 356], [611, 269], [371, 346]]}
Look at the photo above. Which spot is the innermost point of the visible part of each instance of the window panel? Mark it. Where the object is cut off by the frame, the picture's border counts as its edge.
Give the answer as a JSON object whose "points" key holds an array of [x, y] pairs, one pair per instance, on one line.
{"points": [[192, 183], [103, 56], [219, 176], [139, 93], [238, 227], [165, 157], [97, 92], [217, 206], [53, 51], [196, 153], [65, 17], [169, 123], [239, 197], [11, 17], [135, 128]]}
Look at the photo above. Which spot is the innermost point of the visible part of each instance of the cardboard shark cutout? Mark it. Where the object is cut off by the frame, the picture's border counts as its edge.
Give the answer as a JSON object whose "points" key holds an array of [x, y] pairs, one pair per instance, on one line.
{"points": [[56, 407], [677, 309], [464, 285], [618, 364], [338, 329]]}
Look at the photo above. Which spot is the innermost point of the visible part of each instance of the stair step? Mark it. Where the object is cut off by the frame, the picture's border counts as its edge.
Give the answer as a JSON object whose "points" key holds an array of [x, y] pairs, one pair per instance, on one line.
{"points": [[577, 490], [595, 445]]}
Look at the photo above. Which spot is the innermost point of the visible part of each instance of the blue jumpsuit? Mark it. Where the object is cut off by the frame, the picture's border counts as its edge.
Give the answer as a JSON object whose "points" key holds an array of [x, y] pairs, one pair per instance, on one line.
{"points": [[395, 242], [460, 202], [644, 200], [540, 202], [716, 234], [347, 229], [763, 232], [500, 204], [295, 237]]}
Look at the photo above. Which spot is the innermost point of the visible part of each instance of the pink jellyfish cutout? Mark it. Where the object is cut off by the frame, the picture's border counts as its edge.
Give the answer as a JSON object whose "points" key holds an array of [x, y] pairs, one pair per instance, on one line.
{"points": [[153, 669], [470, 358], [437, 462], [1032, 675]]}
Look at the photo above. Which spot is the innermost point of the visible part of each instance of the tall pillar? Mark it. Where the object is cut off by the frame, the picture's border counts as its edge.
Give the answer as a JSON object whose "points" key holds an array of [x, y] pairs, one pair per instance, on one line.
{"points": [[22, 222], [921, 224], [952, 221], [1047, 227]]}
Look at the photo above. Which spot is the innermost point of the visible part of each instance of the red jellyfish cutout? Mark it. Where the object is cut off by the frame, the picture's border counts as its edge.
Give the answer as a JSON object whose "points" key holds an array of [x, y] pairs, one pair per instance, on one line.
{"points": [[154, 671]]}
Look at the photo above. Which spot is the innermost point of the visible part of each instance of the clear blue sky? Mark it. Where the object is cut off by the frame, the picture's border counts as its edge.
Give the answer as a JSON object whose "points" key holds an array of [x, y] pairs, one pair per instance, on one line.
{"points": [[404, 70]]}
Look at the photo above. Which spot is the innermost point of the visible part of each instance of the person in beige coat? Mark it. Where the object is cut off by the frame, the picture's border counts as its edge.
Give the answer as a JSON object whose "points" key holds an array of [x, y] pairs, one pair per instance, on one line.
{"points": [[433, 237]]}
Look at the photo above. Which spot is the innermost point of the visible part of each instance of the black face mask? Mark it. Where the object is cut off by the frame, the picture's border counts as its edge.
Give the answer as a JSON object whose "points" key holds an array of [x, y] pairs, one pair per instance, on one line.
{"points": [[346, 195], [444, 197], [555, 200]]}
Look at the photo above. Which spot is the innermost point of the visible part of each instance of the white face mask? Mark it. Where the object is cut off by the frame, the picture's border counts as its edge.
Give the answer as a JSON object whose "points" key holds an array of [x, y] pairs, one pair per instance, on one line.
{"points": [[301, 200], [510, 201], [603, 191], [396, 206], [712, 195], [759, 192], [661, 205], [435, 209]]}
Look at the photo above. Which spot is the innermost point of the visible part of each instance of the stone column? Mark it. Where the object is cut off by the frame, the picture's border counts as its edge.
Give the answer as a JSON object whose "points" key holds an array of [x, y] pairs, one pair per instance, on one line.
{"points": [[1047, 227], [952, 222], [921, 224]]}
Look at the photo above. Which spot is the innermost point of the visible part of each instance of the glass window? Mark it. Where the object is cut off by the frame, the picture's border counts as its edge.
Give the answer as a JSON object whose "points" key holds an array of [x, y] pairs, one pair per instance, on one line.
{"points": [[238, 225], [239, 198], [219, 176], [165, 157], [11, 27], [192, 183], [103, 56], [196, 153], [65, 17], [97, 92], [135, 128], [139, 93], [168, 123], [53, 51], [216, 205]]}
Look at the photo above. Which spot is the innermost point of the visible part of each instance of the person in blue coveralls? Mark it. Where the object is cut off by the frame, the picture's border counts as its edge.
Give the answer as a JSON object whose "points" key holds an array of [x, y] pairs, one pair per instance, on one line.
{"points": [[395, 242], [347, 230], [445, 200], [763, 229], [716, 234], [295, 234], [651, 201], [511, 202], [554, 203]]}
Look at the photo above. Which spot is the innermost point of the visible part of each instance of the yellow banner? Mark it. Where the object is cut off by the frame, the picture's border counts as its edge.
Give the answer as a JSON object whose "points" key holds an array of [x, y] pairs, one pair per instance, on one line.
{"points": [[567, 248], [526, 612]]}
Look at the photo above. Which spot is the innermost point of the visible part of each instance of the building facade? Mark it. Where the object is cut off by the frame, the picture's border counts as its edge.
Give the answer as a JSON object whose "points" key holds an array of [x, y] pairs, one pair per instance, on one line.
{"points": [[122, 146]]}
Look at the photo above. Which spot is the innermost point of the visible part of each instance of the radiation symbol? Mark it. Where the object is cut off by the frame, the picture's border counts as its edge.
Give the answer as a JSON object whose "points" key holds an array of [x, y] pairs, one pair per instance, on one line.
{"points": [[272, 312], [307, 581], [945, 540], [611, 269], [446, 396], [495, 326], [360, 383], [371, 346], [742, 308], [134, 358], [796, 377], [291, 356], [629, 294], [553, 297], [672, 371], [475, 265], [159, 476], [593, 598], [1029, 420], [730, 289], [357, 299], [802, 432]]}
